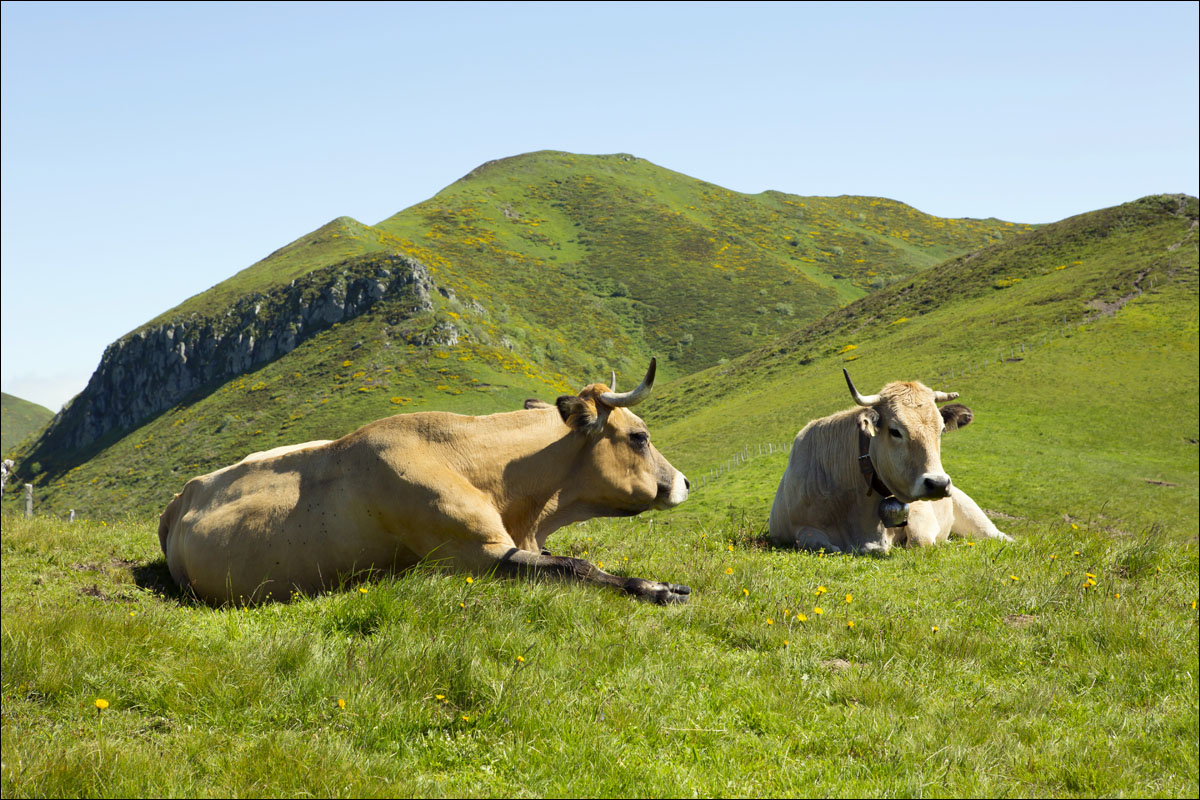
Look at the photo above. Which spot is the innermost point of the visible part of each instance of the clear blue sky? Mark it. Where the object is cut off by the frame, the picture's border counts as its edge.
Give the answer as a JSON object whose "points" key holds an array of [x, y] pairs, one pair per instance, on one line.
{"points": [[152, 150]]}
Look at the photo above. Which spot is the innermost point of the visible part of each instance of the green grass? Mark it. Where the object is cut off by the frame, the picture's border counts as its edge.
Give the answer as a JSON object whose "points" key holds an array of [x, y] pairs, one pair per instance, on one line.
{"points": [[1092, 416], [333, 383], [1029, 687], [592, 256], [561, 267], [19, 419], [1032, 685], [644, 251]]}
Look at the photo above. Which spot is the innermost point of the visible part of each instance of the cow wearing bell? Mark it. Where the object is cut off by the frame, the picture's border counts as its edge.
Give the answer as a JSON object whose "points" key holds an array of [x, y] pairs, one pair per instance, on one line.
{"points": [[479, 494], [850, 475]]}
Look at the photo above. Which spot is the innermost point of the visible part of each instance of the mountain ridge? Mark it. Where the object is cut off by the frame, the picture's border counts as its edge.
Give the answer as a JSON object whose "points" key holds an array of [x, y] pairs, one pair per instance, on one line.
{"points": [[522, 245], [541, 271]]}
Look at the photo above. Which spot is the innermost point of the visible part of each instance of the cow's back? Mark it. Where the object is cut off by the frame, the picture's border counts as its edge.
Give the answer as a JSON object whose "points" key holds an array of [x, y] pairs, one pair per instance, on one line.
{"points": [[276, 521], [819, 483]]}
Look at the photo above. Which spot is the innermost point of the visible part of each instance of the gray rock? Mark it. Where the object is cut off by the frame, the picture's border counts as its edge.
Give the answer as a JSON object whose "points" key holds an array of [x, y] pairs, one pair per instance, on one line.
{"points": [[152, 369]]}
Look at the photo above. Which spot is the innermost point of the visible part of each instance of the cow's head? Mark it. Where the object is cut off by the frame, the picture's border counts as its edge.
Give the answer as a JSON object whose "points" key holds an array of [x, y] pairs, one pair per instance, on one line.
{"points": [[620, 473], [905, 426]]}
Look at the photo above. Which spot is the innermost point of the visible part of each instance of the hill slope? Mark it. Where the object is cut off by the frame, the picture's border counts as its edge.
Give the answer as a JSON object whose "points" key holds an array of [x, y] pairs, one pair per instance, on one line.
{"points": [[642, 249], [1075, 345], [19, 419], [534, 274], [1063, 663]]}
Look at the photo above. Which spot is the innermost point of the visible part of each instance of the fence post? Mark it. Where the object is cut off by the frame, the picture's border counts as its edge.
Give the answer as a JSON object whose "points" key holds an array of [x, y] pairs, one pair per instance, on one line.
{"points": [[72, 517], [29, 499]]}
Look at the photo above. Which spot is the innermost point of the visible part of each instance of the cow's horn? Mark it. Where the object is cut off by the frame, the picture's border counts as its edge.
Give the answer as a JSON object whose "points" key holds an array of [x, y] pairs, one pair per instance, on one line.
{"points": [[868, 400], [941, 397], [625, 399], [613, 385]]}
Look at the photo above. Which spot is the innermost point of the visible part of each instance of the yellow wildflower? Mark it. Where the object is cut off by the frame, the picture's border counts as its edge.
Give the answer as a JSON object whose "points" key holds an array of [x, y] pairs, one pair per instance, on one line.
{"points": [[362, 590], [849, 598], [746, 592], [800, 617], [729, 570], [935, 629], [101, 704], [818, 610], [770, 621], [341, 703], [520, 659], [1014, 577], [470, 579], [849, 623]]}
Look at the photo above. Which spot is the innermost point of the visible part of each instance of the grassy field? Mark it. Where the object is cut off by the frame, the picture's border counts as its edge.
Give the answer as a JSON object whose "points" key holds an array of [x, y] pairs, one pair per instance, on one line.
{"points": [[1063, 664], [968, 670]]}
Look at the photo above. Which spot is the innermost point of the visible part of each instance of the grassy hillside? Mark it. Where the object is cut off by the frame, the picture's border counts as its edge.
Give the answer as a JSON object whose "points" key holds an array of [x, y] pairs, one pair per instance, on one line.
{"points": [[330, 385], [579, 260], [1075, 345], [18, 419], [645, 253], [970, 669], [615, 255], [553, 268]]}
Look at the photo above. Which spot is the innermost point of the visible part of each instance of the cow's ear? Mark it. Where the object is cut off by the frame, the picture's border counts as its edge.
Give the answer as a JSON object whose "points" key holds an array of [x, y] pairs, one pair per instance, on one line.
{"points": [[868, 419], [533, 403], [579, 414], [956, 416]]}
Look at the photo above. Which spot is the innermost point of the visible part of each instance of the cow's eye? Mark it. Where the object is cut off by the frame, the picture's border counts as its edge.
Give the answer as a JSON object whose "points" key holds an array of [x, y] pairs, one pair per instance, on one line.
{"points": [[639, 439], [895, 433]]}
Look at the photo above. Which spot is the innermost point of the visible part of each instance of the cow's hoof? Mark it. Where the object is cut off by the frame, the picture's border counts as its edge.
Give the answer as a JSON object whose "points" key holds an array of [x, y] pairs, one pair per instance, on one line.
{"points": [[672, 593], [660, 593]]}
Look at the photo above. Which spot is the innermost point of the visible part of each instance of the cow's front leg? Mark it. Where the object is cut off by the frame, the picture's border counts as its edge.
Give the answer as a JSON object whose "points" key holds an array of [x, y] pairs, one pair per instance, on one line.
{"points": [[816, 540], [969, 519], [522, 563]]}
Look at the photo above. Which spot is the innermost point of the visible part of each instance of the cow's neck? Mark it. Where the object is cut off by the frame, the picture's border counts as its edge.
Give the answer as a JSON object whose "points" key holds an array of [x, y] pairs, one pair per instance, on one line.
{"points": [[530, 482]]}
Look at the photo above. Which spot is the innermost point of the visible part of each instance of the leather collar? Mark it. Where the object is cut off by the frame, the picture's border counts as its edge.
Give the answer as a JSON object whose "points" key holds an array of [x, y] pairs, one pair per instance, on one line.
{"points": [[867, 467]]}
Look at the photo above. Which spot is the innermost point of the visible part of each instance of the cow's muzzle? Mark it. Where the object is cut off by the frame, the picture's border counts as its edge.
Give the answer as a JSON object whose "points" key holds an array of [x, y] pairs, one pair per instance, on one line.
{"points": [[935, 487], [673, 493]]}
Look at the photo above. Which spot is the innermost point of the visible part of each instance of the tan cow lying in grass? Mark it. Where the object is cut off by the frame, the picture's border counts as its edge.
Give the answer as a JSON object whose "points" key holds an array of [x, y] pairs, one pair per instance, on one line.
{"points": [[843, 465], [475, 493]]}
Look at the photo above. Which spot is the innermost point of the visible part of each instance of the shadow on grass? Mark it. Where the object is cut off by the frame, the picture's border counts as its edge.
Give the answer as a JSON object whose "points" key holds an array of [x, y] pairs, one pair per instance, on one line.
{"points": [[155, 577]]}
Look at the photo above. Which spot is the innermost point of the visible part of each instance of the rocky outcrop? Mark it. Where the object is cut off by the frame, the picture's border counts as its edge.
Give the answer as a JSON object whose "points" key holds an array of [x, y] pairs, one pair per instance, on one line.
{"points": [[153, 368]]}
